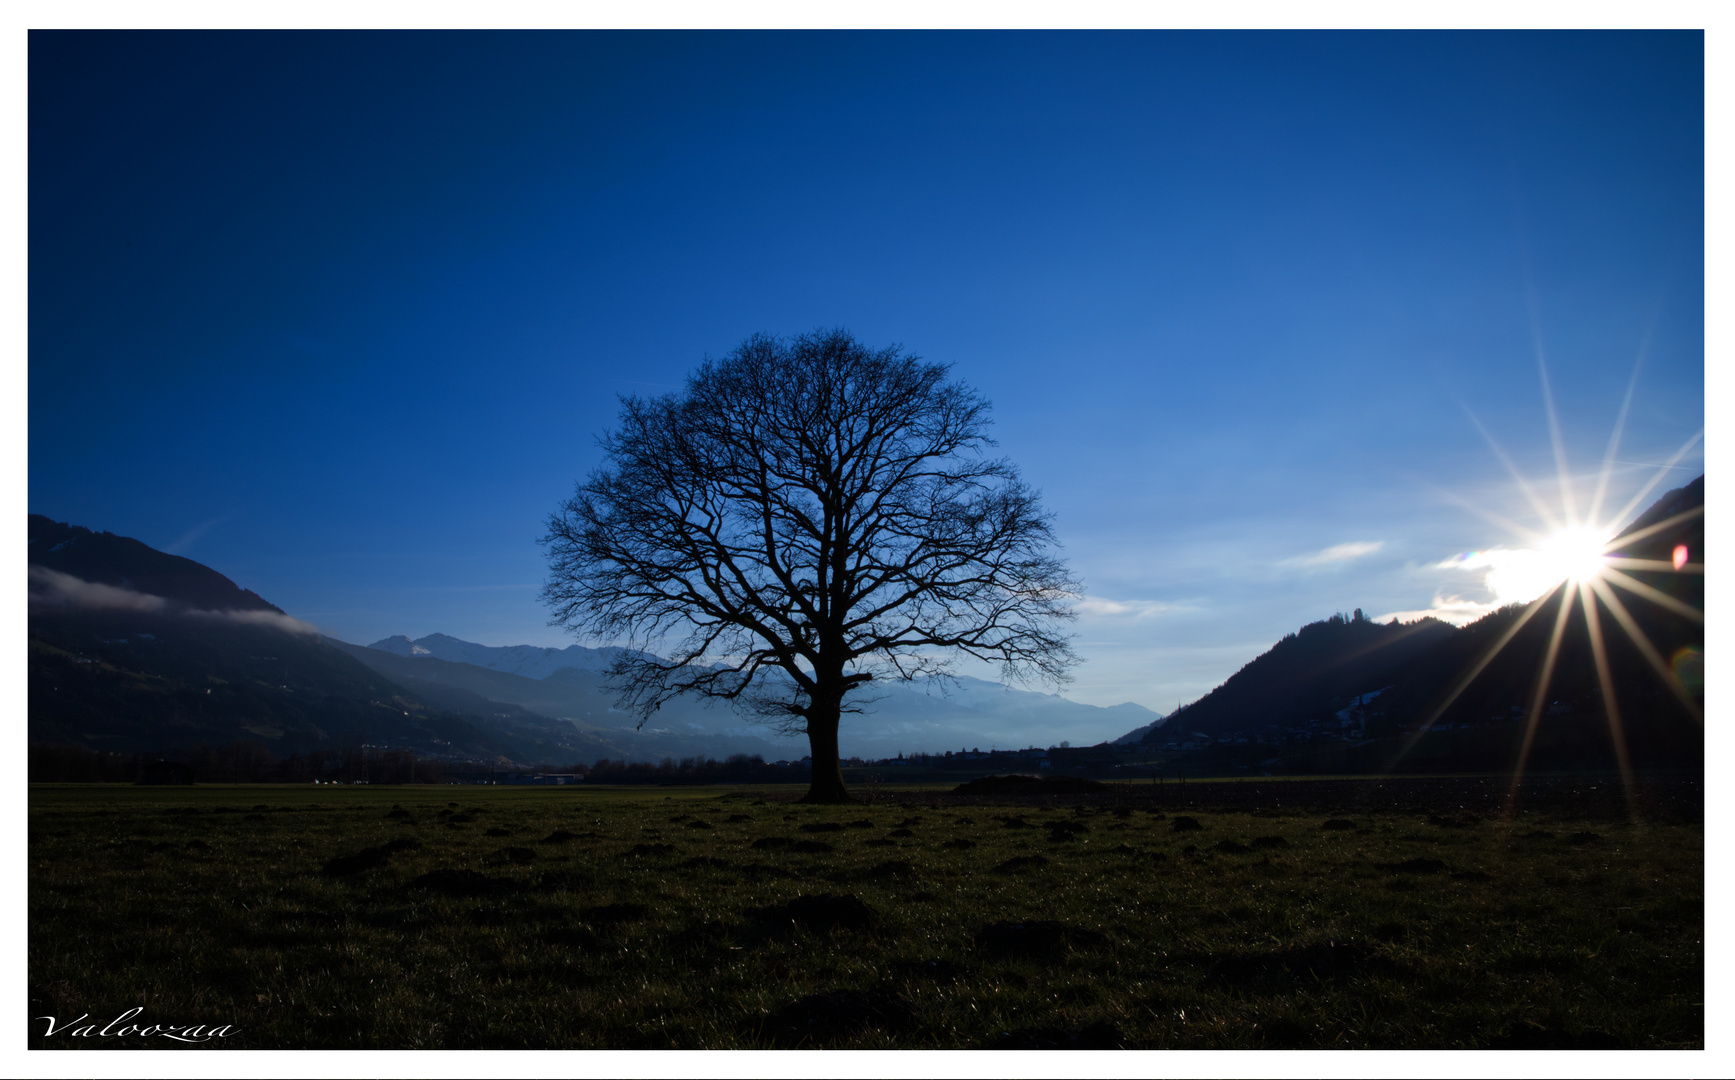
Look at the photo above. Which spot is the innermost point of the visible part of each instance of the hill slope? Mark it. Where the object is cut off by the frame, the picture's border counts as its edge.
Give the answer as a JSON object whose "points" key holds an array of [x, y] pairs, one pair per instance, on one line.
{"points": [[124, 563], [132, 649], [1367, 682]]}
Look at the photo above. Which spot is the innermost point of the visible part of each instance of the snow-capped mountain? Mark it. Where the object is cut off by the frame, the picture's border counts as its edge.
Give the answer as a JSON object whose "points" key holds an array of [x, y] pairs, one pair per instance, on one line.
{"points": [[530, 661]]}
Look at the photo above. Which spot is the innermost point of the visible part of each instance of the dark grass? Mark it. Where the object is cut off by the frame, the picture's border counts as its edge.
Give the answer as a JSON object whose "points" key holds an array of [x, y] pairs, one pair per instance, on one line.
{"points": [[511, 918]]}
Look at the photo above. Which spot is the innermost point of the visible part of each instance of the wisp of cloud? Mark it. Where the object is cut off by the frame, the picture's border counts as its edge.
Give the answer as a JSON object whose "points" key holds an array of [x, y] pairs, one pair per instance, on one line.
{"points": [[1337, 553], [53, 588]]}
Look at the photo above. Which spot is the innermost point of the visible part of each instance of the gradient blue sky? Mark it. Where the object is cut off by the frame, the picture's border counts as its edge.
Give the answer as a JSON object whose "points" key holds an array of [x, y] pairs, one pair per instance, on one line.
{"points": [[342, 315]]}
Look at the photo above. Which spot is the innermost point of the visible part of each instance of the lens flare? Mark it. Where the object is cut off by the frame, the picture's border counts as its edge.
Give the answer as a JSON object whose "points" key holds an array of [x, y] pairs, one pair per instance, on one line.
{"points": [[1688, 665], [1580, 563]]}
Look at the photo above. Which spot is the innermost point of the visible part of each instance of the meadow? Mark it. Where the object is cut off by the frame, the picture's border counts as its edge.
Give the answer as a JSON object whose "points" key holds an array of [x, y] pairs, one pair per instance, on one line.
{"points": [[1276, 915]]}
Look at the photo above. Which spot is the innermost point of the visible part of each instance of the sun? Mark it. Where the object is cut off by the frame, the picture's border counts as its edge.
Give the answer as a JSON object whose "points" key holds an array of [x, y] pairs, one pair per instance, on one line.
{"points": [[1575, 554]]}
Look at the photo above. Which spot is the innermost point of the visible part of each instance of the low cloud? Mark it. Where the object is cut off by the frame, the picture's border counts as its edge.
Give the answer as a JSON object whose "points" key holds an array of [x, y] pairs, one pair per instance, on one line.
{"points": [[1511, 576], [1452, 609], [51, 588], [1337, 553], [1514, 576], [273, 619], [1097, 607]]}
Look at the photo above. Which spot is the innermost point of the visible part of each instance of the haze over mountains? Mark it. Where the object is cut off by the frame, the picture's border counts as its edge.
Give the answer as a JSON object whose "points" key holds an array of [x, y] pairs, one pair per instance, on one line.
{"points": [[898, 718]]}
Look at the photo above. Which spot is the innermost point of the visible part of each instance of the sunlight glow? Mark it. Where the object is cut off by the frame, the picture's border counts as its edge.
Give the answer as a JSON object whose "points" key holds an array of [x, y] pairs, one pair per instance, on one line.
{"points": [[1571, 554], [1572, 561]]}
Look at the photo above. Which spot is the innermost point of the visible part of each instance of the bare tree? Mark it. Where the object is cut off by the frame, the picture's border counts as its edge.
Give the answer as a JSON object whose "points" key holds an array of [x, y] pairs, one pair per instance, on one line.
{"points": [[807, 516]]}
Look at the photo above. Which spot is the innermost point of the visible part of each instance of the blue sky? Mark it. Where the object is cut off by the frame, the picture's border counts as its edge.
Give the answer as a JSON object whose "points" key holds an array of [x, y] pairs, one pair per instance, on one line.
{"points": [[342, 315]]}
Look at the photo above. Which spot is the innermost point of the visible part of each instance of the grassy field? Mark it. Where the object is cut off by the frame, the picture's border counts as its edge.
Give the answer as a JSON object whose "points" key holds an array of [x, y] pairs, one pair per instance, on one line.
{"points": [[466, 917]]}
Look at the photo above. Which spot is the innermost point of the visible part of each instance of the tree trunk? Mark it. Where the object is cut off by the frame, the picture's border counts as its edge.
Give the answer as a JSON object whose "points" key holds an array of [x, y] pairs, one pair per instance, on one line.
{"points": [[827, 785]]}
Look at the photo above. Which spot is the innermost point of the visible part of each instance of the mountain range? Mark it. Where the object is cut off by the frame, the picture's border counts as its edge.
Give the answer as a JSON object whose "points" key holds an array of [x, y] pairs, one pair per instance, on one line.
{"points": [[530, 661], [897, 717], [135, 649]]}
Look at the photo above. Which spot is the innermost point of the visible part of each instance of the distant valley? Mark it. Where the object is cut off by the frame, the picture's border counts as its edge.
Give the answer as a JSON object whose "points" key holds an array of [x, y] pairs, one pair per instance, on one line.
{"points": [[899, 718]]}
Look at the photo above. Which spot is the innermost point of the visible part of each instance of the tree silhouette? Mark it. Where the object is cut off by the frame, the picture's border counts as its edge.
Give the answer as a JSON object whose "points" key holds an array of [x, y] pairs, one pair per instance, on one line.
{"points": [[807, 516]]}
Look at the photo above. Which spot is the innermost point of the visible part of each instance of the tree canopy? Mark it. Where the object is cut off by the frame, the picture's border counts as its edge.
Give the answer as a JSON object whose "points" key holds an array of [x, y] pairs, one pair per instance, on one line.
{"points": [[807, 516]]}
